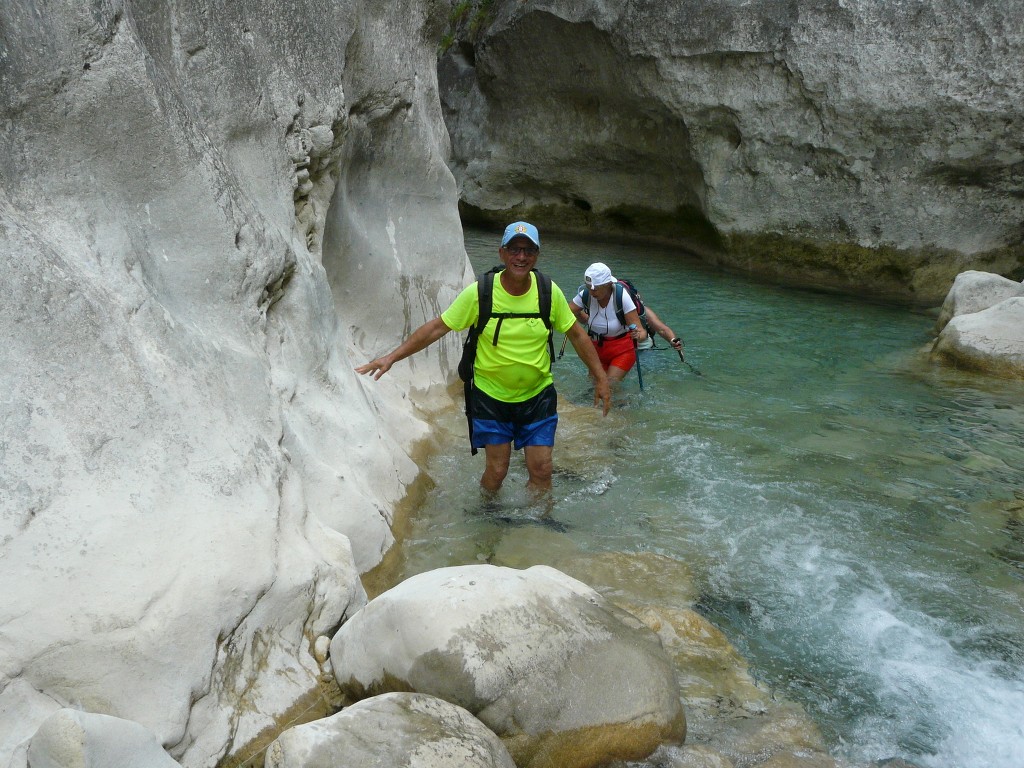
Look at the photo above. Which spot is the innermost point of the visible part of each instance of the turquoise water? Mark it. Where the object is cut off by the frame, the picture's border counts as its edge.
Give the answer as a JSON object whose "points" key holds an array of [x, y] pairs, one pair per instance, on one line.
{"points": [[853, 515]]}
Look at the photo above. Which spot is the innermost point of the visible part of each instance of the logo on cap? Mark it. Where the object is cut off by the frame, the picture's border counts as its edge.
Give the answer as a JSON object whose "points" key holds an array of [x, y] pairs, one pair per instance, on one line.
{"points": [[521, 229]]}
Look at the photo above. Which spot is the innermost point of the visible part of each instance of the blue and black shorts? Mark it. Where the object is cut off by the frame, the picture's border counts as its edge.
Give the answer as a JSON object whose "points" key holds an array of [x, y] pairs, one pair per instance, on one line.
{"points": [[531, 422]]}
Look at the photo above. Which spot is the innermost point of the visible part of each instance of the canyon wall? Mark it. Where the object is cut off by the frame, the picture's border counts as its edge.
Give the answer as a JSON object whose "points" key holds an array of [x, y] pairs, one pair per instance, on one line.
{"points": [[209, 213], [872, 148]]}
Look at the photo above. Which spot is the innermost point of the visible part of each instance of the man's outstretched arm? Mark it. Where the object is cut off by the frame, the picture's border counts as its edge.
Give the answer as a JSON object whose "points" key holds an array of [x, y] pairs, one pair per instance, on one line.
{"points": [[421, 338]]}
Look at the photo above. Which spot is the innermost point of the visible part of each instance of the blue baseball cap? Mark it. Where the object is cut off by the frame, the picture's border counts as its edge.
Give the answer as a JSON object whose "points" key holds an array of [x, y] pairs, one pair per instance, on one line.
{"points": [[517, 228]]}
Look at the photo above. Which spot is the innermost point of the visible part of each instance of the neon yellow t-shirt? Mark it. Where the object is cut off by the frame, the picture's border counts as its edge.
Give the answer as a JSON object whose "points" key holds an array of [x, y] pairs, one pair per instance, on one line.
{"points": [[519, 366]]}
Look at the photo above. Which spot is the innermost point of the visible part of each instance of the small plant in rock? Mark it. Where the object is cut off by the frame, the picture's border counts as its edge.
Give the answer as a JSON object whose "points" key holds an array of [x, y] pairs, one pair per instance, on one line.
{"points": [[465, 22]]}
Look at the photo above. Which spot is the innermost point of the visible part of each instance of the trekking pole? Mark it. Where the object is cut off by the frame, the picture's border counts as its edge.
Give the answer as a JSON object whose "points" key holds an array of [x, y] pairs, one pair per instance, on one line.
{"points": [[684, 361], [561, 352], [636, 354]]}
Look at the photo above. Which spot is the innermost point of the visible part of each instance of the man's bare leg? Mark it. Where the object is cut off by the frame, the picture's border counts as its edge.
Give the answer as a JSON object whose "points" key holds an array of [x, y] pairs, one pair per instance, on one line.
{"points": [[497, 457], [539, 465]]}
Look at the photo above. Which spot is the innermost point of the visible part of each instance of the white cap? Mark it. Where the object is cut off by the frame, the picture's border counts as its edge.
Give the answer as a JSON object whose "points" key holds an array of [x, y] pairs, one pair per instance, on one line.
{"points": [[598, 274]]}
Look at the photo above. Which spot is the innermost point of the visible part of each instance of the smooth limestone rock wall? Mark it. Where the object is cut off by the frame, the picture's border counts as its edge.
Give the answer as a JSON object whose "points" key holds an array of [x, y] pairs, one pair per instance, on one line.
{"points": [[871, 147], [209, 213]]}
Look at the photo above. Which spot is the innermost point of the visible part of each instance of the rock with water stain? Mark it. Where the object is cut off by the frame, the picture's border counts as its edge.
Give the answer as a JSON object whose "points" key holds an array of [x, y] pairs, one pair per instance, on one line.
{"points": [[974, 291], [192, 477], [70, 738], [990, 341], [564, 677], [403, 730], [981, 325]]}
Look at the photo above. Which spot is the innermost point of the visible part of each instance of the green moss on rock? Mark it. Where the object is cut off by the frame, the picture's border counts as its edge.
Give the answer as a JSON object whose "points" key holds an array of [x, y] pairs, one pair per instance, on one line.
{"points": [[685, 226], [920, 277]]}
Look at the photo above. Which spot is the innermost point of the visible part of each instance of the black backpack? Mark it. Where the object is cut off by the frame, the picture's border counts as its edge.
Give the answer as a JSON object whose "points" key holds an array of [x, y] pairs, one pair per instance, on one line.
{"points": [[485, 298], [634, 294]]}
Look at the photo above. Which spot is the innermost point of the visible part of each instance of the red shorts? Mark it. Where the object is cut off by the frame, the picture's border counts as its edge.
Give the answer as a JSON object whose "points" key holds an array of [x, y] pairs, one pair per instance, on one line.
{"points": [[618, 352]]}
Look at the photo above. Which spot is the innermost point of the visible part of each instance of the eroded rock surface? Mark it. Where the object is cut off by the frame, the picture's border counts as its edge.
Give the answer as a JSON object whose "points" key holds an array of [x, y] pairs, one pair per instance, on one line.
{"points": [[400, 730], [207, 218], [981, 325], [974, 291], [564, 677], [73, 739], [991, 341], [873, 147]]}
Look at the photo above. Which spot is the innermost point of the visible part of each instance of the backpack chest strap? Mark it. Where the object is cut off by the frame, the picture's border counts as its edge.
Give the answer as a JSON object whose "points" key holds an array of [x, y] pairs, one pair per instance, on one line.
{"points": [[502, 316]]}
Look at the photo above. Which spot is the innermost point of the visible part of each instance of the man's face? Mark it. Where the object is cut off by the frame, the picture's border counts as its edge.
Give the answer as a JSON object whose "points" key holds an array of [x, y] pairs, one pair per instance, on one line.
{"points": [[519, 255]]}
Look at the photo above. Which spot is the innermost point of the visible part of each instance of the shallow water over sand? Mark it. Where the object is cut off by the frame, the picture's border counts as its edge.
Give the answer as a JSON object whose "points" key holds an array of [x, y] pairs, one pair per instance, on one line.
{"points": [[848, 514]]}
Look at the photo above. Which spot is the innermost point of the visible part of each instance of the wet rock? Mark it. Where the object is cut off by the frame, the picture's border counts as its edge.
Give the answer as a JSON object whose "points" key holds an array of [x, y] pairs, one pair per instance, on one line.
{"points": [[713, 675], [633, 577], [990, 341], [70, 738], [690, 756], [399, 730], [974, 291], [728, 711], [564, 677]]}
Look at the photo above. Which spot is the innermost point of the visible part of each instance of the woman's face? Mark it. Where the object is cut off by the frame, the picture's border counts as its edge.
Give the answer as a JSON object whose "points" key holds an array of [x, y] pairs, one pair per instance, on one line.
{"points": [[602, 292]]}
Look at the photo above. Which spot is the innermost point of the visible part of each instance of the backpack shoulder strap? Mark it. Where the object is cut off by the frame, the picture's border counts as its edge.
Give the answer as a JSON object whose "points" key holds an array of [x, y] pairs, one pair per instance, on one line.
{"points": [[544, 297], [544, 308], [619, 313], [641, 309], [485, 299], [634, 294]]}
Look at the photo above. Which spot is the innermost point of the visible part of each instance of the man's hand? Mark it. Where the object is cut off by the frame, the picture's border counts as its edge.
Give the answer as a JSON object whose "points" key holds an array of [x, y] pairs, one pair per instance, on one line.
{"points": [[585, 349], [421, 338], [377, 367], [603, 394]]}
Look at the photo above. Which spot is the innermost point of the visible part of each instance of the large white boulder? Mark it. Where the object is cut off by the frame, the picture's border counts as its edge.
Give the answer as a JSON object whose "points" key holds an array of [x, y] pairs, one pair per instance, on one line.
{"points": [[974, 291], [991, 341], [398, 730], [564, 677], [70, 738]]}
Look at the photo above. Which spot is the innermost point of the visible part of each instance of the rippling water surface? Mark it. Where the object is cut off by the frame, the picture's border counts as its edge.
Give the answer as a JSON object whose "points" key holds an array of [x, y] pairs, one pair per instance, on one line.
{"points": [[852, 515]]}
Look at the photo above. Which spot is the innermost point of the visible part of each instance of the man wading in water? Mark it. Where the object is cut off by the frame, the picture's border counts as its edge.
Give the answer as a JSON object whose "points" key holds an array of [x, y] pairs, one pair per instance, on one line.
{"points": [[513, 396]]}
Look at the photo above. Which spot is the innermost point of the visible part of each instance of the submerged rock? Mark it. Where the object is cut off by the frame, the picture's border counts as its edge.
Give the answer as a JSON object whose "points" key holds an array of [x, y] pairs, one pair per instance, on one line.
{"points": [[398, 730], [565, 678], [729, 712]]}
